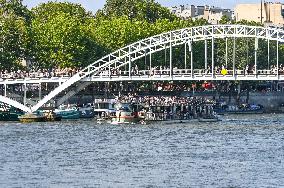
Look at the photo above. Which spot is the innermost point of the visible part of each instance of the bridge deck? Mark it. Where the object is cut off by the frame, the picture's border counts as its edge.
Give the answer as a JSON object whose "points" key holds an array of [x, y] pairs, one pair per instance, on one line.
{"points": [[144, 75]]}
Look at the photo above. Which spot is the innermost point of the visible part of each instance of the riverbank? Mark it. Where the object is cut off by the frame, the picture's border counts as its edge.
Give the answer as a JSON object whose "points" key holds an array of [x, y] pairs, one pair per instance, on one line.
{"points": [[271, 101]]}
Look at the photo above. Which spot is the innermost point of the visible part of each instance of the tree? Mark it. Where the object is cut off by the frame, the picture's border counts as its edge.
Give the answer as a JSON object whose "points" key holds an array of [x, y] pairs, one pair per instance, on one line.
{"points": [[14, 7], [13, 33], [225, 20], [140, 10], [118, 32], [63, 35]]}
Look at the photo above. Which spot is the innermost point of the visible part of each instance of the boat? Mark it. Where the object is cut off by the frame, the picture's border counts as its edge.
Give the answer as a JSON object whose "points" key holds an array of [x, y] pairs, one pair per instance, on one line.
{"points": [[32, 117], [244, 109], [104, 107], [9, 113], [125, 114], [281, 108], [51, 116], [87, 111], [67, 112], [207, 114]]}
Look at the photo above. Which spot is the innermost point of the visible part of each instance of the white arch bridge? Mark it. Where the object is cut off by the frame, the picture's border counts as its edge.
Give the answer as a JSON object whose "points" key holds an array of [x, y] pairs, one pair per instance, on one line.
{"points": [[135, 61]]}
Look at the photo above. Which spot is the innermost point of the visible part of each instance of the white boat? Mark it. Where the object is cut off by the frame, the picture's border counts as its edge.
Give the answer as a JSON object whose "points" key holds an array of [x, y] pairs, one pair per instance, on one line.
{"points": [[125, 114], [104, 107]]}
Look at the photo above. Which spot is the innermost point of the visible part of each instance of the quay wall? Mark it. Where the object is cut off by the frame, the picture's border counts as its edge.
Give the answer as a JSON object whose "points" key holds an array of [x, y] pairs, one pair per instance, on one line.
{"points": [[270, 100]]}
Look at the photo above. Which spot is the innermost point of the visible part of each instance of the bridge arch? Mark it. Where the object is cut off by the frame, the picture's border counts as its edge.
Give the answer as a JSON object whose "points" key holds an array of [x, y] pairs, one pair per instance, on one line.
{"points": [[125, 56], [14, 103]]}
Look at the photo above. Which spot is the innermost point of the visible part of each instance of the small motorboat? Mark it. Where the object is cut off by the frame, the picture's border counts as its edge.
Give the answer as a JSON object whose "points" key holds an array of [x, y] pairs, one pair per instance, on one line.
{"points": [[51, 116], [31, 117]]}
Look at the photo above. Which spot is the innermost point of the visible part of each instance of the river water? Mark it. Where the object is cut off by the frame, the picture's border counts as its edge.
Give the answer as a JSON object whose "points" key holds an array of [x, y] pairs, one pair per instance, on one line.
{"points": [[240, 151]]}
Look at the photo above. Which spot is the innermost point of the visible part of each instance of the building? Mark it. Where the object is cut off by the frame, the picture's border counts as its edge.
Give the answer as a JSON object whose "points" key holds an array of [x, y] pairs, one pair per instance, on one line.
{"points": [[210, 13], [214, 14], [267, 13], [184, 11]]}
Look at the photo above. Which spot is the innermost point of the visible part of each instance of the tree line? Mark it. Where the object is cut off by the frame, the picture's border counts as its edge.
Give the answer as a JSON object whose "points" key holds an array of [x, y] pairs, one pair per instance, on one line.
{"points": [[57, 34]]}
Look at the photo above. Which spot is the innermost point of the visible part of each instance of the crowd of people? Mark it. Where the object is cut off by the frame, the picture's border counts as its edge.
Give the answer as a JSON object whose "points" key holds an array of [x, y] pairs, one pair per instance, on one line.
{"points": [[134, 71], [165, 70], [170, 107], [163, 100], [38, 73]]}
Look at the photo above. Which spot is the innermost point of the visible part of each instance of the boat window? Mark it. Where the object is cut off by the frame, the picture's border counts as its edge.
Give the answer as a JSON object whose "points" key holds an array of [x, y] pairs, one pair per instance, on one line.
{"points": [[124, 108]]}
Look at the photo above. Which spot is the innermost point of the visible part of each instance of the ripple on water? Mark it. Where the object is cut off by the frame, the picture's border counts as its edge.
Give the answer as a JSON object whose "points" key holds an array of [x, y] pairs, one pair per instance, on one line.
{"points": [[240, 151]]}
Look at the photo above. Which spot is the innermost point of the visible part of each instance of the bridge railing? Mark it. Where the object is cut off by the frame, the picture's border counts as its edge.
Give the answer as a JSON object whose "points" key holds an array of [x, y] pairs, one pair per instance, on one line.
{"points": [[105, 74], [183, 72]]}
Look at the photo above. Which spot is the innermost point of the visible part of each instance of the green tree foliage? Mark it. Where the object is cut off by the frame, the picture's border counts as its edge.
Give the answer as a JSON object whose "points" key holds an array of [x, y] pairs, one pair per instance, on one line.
{"points": [[14, 7], [118, 32], [63, 35], [13, 33], [142, 10]]}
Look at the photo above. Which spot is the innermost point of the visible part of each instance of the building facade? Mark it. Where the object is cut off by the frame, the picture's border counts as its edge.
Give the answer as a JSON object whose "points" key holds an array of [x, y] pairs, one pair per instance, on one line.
{"points": [[271, 14], [210, 13]]}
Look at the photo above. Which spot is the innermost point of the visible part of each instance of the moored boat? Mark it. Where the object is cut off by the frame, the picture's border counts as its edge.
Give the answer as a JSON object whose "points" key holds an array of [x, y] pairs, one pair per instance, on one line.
{"points": [[245, 109], [125, 114], [30, 118], [207, 113], [10, 114], [51, 116], [86, 111], [67, 112], [103, 108]]}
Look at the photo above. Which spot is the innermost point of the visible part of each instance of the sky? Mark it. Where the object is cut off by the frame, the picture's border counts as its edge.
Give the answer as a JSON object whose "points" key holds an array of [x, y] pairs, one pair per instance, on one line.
{"points": [[94, 5]]}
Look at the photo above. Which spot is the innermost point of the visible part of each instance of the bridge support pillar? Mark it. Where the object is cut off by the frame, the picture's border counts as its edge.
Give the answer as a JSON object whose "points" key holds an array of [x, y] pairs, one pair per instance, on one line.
{"points": [[268, 54], [25, 94], [5, 90], [150, 54], [185, 56], [277, 56], [213, 63], [226, 55], [129, 68], [171, 58], [234, 58], [255, 56], [205, 51], [191, 58], [39, 91]]}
